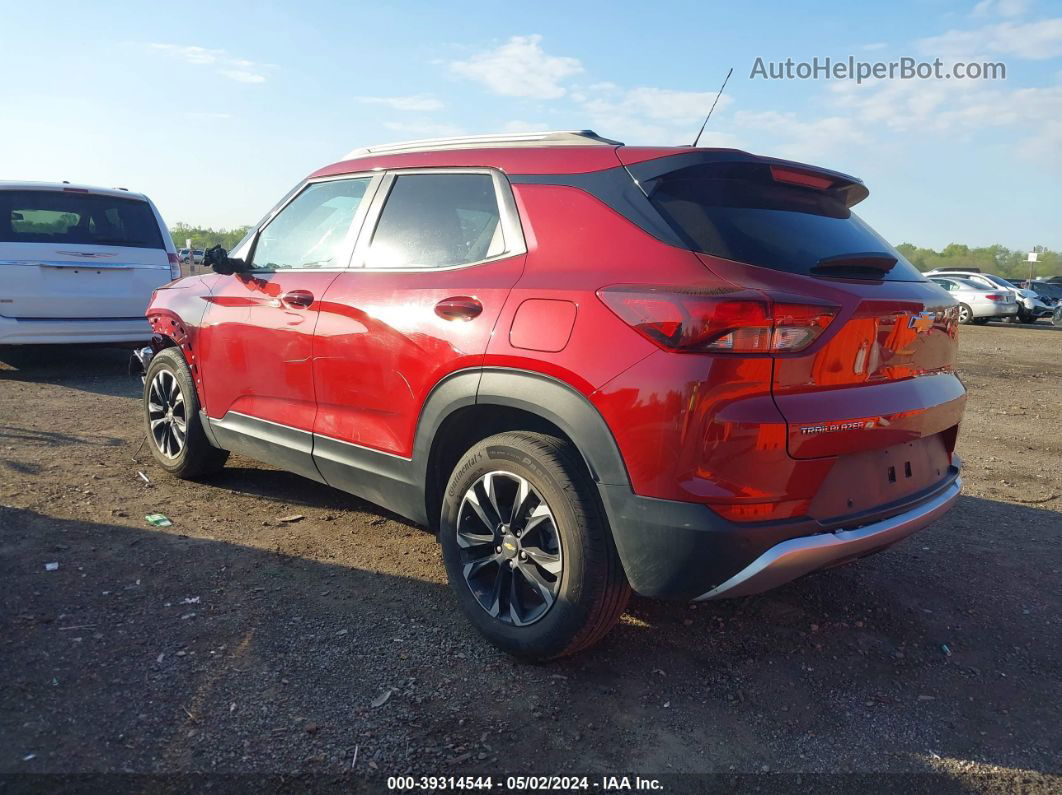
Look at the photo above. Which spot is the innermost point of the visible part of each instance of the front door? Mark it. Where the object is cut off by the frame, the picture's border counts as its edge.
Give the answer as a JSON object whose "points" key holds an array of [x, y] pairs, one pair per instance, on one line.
{"points": [[256, 342]]}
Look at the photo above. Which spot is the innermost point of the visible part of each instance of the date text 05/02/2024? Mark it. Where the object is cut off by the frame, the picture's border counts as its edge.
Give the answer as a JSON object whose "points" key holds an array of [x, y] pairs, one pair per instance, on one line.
{"points": [[524, 783]]}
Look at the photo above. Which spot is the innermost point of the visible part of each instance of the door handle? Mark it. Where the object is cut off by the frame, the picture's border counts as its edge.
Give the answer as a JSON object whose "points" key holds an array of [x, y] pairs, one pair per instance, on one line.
{"points": [[299, 298], [460, 307]]}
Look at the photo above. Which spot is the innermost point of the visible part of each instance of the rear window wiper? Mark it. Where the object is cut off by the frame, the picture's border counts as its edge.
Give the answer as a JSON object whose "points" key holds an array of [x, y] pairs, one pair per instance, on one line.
{"points": [[859, 265]]}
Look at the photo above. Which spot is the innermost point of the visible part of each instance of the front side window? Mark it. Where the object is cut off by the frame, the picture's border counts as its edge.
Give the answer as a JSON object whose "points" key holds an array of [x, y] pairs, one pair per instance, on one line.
{"points": [[437, 221], [312, 230]]}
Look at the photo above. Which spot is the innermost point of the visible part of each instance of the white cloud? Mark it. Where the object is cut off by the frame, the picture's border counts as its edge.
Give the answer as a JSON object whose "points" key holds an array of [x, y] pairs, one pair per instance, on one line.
{"points": [[659, 104], [520, 68], [1034, 40], [517, 126], [238, 69], [1002, 8], [650, 115], [242, 75], [802, 140], [417, 130], [961, 107], [1044, 144], [417, 102]]}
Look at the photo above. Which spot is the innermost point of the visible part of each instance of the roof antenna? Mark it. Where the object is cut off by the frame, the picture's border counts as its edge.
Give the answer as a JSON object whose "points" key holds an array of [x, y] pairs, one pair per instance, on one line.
{"points": [[695, 140]]}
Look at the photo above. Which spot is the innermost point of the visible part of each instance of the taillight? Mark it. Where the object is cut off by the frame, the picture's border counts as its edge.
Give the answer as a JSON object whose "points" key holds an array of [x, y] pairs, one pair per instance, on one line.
{"points": [[706, 321], [175, 266], [994, 297]]}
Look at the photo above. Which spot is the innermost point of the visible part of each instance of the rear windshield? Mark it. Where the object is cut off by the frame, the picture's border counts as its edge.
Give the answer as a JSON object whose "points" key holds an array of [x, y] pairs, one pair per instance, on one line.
{"points": [[738, 211], [69, 218]]}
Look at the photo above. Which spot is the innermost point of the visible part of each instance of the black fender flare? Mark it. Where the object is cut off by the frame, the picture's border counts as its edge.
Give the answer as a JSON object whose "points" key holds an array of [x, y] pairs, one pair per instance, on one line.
{"points": [[538, 394]]}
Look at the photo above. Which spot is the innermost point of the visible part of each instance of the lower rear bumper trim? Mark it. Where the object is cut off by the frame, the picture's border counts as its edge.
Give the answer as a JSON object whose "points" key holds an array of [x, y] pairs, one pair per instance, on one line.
{"points": [[798, 556]]}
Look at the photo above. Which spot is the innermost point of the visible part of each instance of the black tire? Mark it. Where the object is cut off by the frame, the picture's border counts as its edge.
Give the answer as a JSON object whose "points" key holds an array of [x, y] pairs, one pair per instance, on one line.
{"points": [[591, 589], [965, 314], [197, 456]]}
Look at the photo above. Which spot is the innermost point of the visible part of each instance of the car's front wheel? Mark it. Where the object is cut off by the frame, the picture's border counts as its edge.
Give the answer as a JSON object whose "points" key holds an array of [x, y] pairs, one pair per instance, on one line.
{"points": [[172, 420], [527, 547]]}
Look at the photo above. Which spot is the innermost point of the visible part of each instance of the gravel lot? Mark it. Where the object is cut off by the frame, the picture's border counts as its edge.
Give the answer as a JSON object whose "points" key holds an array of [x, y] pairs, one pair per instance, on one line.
{"points": [[238, 642]]}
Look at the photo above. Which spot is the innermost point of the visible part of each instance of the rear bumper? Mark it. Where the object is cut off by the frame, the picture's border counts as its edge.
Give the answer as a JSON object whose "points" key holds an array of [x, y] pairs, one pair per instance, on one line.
{"points": [[45, 331], [799, 556], [996, 310], [679, 550]]}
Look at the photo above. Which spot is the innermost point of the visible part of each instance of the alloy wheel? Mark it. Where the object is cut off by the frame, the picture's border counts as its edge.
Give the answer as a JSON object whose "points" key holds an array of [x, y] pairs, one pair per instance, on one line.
{"points": [[511, 553], [964, 314], [167, 417]]}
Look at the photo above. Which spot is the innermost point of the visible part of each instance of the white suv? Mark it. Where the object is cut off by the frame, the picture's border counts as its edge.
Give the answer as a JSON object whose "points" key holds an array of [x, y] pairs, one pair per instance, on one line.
{"points": [[79, 264]]}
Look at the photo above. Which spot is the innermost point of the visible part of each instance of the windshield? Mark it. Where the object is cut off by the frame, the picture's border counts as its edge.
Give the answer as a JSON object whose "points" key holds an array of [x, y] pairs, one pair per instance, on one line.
{"points": [[76, 218], [738, 211], [999, 281]]}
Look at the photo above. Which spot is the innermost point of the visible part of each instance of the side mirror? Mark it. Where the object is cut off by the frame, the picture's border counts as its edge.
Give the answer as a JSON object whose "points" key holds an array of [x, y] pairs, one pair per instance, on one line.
{"points": [[219, 259]]}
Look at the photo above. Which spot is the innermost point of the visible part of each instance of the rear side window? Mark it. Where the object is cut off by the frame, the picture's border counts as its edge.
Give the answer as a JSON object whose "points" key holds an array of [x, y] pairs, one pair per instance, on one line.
{"points": [[73, 218], [738, 211], [437, 221]]}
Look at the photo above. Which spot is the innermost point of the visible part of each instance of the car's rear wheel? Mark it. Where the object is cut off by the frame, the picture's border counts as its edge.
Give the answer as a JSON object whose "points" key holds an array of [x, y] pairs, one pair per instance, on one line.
{"points": [[171, 416], [527, 547], [965, 314]]}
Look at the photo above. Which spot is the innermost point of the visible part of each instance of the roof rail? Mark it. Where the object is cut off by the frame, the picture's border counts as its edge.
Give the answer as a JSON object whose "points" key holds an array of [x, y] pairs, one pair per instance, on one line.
{"points": [[550, 138]]}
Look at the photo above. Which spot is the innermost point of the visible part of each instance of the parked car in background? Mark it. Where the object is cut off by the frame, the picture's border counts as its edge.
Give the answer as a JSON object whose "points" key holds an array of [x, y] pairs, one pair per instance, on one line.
{"points": [[1029, 306], [78, 264], [590, 368], [191, 255], [1049, 292], [977, 303]]}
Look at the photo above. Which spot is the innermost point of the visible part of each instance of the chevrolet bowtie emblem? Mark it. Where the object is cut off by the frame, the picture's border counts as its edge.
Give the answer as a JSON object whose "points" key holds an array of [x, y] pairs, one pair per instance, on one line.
{"points": [[922, 322]]}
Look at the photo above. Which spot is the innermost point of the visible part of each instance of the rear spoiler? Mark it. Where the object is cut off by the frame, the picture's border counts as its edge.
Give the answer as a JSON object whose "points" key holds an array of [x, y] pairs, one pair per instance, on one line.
{"points": [[850, 189]]}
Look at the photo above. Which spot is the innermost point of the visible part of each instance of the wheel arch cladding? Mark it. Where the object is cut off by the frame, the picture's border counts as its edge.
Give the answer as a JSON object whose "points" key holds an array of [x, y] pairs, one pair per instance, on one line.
{"points": [[553, 403]]}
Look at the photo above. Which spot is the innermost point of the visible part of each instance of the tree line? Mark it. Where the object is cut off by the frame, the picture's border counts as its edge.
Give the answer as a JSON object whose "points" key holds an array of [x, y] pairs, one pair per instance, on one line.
{"points": [[991, 259], [996, 259], [205, 237]]}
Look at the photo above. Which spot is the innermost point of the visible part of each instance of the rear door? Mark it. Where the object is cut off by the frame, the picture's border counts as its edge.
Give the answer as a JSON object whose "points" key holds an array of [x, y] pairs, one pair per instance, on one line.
{"points": [[441, 250], [881, 375], [72, 253]]}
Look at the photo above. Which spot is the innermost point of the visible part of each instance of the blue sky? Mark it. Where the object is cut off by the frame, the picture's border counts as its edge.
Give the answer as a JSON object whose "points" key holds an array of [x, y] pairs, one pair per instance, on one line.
{"points": [[216, 109]]}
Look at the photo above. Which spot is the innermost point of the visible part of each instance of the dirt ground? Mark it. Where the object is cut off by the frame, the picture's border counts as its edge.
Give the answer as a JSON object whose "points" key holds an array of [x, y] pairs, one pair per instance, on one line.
{"points": [[236, 642]]}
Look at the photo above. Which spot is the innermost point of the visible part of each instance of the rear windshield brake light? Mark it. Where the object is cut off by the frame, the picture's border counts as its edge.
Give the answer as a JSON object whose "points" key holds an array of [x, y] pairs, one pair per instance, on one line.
{"points": [[804, 178]]}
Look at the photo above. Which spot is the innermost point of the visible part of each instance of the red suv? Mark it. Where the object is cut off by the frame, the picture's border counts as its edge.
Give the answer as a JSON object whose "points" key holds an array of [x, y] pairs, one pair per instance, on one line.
{"points": [[590, 368]]}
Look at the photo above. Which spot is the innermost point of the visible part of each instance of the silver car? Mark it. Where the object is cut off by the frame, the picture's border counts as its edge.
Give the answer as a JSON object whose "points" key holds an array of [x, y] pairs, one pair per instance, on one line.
{"points": [[978, 304]]}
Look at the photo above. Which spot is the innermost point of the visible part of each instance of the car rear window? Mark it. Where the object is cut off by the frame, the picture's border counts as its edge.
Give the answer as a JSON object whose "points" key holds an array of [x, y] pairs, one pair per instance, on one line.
{"points": [[738, 211], [67, 217]]}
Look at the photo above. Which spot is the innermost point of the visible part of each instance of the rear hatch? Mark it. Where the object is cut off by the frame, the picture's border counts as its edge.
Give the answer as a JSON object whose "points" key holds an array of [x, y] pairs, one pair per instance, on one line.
{"points": [[71, 253], [877, 385]]}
